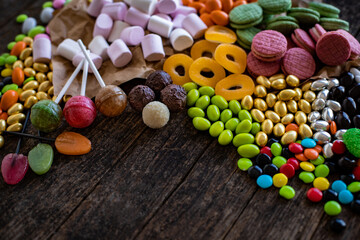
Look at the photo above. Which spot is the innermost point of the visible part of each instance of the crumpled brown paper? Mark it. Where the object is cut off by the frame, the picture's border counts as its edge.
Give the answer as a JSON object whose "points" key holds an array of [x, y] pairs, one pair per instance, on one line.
{"points": [[73, 22], [335, 71]]}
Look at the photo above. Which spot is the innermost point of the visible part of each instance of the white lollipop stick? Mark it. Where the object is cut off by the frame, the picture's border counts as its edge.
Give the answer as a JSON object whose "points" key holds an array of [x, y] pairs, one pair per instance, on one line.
{"points": [[69, 81], [84, 78], [91, 64]]}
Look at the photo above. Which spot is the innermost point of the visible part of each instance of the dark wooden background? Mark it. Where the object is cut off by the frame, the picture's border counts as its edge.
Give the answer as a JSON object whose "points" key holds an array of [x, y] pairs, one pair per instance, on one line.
{"points": [[139, 183]]}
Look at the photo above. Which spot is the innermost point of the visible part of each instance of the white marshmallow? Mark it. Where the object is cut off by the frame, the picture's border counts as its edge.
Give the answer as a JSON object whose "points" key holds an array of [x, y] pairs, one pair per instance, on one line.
{"points": [[118, 27], [146, 6], [96, 59], [42, 50], [99, 46], [164, 16], [128, 2], [119, 53], [136, 18], [181, 39], [95, 7], [68, 48], [177, 21], [116, 11], [194, 25], [103, 25], [152, 47], [168, 6], [160, 26]]}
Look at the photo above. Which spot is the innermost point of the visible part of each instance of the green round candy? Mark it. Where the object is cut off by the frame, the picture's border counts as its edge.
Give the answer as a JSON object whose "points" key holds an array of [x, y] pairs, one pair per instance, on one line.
{"points": [[318, 161], [226, 115], [195, 112], [225, 137], [21, 18], [248, 150], [40, 158], [352, 141], [244, 114], [244, 164], [235, 106], [19, 37], [276, 149], [189, 86], [36, 30], [307, 177], [298, 141], [287, 192], [28, 80], [203, 102], [332, 208], [201, 124], [47, 4], [10, 59], [213, 113], [242, 139], [206, 90], [232, 123], [255, 128], [46, 115], [354, 187], [192, 96], [2, 61], [220, 102], [11, 45], [8, 87], [279, 161], [322, 170], [216, 128], [243, 127]]}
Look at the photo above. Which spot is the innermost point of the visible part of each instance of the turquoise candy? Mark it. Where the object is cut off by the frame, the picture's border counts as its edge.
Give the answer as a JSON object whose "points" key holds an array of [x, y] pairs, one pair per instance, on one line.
{"points": [[41, 158], [276, 149], [46, 115], [264, 181], [248, 150], [308, 143]]}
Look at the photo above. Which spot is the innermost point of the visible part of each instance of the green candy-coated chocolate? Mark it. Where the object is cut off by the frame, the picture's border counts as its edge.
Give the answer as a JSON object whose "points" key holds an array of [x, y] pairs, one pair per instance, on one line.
{"points": [[225, 137], [242, 139], [2, 61], [203, 102], [307, 177], [220, 102], [332, 208], [195, 112], [276, 149], [243, 127], [248, 150], [322, 170], [189, 86], [244, 164], [40, 158], [46, 115], [287, 192], [225, 115], [216, 128], [206, 90], [201, 124], [354, 187], [8, 87], [235, 106], [278, 161], [5, 55], [318, 161], [21, 18], [232, 123], [213, 113], [192, 96]]}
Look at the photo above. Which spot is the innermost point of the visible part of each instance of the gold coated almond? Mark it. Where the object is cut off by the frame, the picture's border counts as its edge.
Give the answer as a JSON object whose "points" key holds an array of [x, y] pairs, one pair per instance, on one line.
{"points": [[279, 130], [286, 94], [300, 117], [40, 77], [19, 117], [292, 106], [306, 86], [18, 63], [280, 108], [42, 96], [304, 106], [66, 98], [271, 100], [247, 102], [309, 96], [261, 139], [51, 91], [277, 76], [30, 101], [289, 137], [273, 116], [28, 40], [257, 115], [260, 91], [51, 65], [28, 62], [298, 95], [44, 87], [16, 108], [50, 76], [267, 126], [29, 72], [278, 84], [262, 80], [287, 119], [2, 141], [15, 127], [41, 67], [260, 104], [292, 81], [32, 85], [25, 53], [2, 125], [305, 131], [25, 94]]}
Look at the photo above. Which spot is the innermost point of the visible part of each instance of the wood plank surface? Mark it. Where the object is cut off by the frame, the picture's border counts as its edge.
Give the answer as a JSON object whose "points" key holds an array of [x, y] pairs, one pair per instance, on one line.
{"points": [[139, 183]]}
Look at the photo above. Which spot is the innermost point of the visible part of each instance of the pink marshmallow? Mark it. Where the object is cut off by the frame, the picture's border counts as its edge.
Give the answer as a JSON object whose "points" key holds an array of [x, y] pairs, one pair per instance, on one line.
{"points": [[42, 50], [116, 11], [177, 21], [132, 36], [164, 16], [47, 30], [118, 27], [183, 10], [152, 47], [41, 35], [145, 6], [94, 57], [95, 7], [168, 6], [160, 26], [103, 25], [119, 53], [194, 25], [136, 18]]}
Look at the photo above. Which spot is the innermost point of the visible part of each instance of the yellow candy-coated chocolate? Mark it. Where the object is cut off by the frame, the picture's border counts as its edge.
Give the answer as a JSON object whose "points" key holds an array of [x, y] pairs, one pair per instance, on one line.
{"points": [[321, 183], [307, 166], [280, 180]]}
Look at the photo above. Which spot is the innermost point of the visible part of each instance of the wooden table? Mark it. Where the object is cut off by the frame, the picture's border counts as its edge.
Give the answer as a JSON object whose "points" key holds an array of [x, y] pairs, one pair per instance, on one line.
{"points": [[139, 183]]}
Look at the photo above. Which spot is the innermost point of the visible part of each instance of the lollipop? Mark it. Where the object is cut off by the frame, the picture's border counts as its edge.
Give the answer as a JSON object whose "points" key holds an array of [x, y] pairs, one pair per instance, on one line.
{"points": [[110, 100]]}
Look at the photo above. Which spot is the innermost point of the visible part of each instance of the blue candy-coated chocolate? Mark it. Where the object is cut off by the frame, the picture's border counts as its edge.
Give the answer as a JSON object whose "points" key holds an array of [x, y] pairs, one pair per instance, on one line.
{"points": [[345, 197], [338, 186], [264, 181], [308, 143]]}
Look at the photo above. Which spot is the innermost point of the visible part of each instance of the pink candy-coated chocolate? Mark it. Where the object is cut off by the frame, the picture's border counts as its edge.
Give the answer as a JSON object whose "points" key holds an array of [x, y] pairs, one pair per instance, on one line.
{"points": [[80, 111], [95, 7], [41, 35], [194, 25], [168, 6], [94, 57], [119, 53], [136, 18], [103, 25], [14, 168], [116, 11], [132, 36], [152, 47], [42, 50], [58, 3]]}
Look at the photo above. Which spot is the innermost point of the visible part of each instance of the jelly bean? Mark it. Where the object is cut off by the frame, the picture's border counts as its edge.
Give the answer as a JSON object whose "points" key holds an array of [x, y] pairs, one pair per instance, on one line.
{"points": [[47, 4], [2, 61], [189, 86], [35, 31], [216, 128], [18, 76], [276, 149], [71, 143], [203, 102], [220, 102], [41, 158], [338, 186], [8, 99], [288, 170], [206, 18], [11, 45], [235, 106], [255, 128], [271, 169], [295, 148], [244, 164], [337, 225], [262, 160], [264, 181], [244, 114], [308, 143], [6, 72], [266, 150], [314, 195], [201, 124], [9, 87], [321, 183], [306, 166], [318, 161], [248, 150], [287, 192], [345, 197], [192, 96], [232, 123], [322, 171], [21, 18], [280, 180], [225, 137], [332, 208], [226, 115], [243, 127], [338, 147], [219, 17], [294, 163], [10, 59], [17, 49], [4, 116], [195, 112], [19, 37], [354, 187], [213, 113], [254, 171], [206, 90], [279, 161], [243, 138]]}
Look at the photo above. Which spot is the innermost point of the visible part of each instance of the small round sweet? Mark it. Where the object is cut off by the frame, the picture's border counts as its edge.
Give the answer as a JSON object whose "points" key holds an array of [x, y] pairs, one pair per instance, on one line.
{"points": [[141, 95], [322, 170], [308, 143], [201, 124], [307, 177], [177, 66], [307, 166], [338, 186], [216, 128], [280, 180], [231, 57], [354, 187], [156, 114], [158, 80], [244, 164], [345, 197], [243, 85], [264, 181], [314, 195], [225, 137], [111, 100], [337, 225], [80, 111], [220, 34], [8, 99], [287, 192], [202, 48], [174, 97], [206, 64], [321, 183], [46, 115], [332, 208], [288, 170]]}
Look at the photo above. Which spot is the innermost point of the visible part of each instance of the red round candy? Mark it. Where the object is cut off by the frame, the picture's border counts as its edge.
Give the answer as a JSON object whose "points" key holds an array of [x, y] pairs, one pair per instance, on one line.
{"points": [[79, 111], [338, 147], [356, 173], [288, 170], [266, 150], [294, 162], [314, 194], [296, 148]]}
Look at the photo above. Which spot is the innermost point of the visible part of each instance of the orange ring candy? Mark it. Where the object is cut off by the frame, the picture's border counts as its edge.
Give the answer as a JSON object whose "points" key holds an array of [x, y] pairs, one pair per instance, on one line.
{"points": [[206, 64], [201, 47], [178, 60], [223, 87], [224, 51], [220, 34]]}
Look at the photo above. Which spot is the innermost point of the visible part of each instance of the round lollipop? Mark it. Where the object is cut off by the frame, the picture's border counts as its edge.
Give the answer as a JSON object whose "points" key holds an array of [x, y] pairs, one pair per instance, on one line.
{"points": [[110, 100]]}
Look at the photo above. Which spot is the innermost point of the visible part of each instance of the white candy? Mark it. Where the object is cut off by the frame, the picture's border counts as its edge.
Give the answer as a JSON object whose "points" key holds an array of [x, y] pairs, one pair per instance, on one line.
{"points": [[194, 25], [136, 18], [132, 36], [128, 2], [28, 24], [168, 6], [42, 50], [119, 53], [103, 25], [95, 7], [177, 21], [152, 47], [180, 39], [99, 46], [46, 14], [160, 26], [116, 11], [146, 6], [118, 27], [68, 49]]}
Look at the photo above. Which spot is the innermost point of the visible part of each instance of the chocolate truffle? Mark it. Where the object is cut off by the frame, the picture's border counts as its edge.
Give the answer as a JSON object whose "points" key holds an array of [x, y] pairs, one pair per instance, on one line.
{"points": [[158, 80], [174, 97], [155, 114], [139, 96]]}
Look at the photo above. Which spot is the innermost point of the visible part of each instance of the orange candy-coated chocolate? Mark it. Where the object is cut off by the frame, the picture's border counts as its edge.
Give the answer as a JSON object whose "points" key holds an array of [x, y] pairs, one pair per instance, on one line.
{"points": [[206, 18], [18, 76], [318, 148], [4, 116], [301, 157], [212, 5], [9, 98], [292, 127], [71, 143], [219, 17], [18, 47], [244, 83], [311, 154], [227, 5], [333, 127]]}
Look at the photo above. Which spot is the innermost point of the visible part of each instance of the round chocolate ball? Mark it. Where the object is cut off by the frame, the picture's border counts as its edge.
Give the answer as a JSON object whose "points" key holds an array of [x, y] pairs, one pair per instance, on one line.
{"points": [[46, 115], [111, 100], [155, 114], [158, 80], [174, 97], [139, 96]]}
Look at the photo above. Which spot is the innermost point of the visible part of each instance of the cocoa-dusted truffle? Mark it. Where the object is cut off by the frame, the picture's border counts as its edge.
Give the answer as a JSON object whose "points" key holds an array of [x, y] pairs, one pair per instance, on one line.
{"points": [[158, 80], [139, 96], [174, 97]]}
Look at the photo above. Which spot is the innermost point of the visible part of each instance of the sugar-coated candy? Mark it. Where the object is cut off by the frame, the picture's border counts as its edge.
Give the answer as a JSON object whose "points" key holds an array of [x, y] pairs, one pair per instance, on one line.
{"points": [[97, 60], [99, 46], [46, 115], [160, 26], [28, 24], [152, 47], [332, 208], [103, 25], [95, 7], [139, 96], [136, 18], [264, 181], [71, 143], [314, 195], [194, 25], [79, 111], [155, 114], [146, 6], [287, 192], [174, 97], [118, 27], [132, 36], [42, 50], [167, 6], [46, 14], [116, 11], [345, 197], [14, 168], [68, 48], [119, 53], [41, 158], [337, 225], [180, 39]]}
